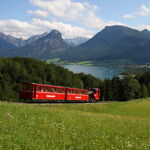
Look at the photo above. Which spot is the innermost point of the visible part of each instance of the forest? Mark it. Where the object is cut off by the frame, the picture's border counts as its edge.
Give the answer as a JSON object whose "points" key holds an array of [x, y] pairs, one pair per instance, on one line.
{"points": [[15, 70]]}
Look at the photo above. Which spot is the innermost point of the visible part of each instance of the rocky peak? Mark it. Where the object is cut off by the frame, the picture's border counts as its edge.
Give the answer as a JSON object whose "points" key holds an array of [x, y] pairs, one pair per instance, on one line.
{"points": [[54, 34]]}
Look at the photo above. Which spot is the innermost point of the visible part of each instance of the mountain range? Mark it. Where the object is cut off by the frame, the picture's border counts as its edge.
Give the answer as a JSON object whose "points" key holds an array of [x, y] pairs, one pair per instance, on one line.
{"points": [[118, 44], [114, 44], [76, 41]]}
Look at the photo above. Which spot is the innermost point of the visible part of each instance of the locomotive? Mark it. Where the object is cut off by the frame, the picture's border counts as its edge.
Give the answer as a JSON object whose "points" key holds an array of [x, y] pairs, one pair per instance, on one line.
{"points": [[33, 92]]}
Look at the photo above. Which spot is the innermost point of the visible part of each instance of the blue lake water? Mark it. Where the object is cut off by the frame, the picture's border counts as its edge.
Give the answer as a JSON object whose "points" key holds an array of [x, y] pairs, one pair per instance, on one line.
{"points": [[101, 72]]}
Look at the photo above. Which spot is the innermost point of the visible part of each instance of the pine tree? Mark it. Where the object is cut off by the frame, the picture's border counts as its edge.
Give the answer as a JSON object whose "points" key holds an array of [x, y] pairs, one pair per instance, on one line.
{"points": [[107, 90], [144, 90]]}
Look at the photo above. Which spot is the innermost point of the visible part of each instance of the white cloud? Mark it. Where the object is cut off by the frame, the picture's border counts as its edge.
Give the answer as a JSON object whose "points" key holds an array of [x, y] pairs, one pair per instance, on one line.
{"points": [[142, 27], [142, 11], [38, 13], [129, 16], [69, 10], [111, 23], [60, 8], [17, 28], [92, 21], [58, 12], [37, 26], [67, 30]]}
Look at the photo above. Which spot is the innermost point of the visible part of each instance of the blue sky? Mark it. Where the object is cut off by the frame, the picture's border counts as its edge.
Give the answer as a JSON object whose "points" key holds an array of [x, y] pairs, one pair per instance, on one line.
{"points": [[23, 18]]}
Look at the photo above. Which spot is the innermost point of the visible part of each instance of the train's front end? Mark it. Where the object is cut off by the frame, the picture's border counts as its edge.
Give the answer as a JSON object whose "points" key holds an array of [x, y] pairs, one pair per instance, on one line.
{"points": [[94, 95]]}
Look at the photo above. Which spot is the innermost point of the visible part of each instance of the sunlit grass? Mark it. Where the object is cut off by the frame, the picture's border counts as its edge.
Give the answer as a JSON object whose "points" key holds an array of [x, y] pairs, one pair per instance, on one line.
{"points": [[109, 126]]}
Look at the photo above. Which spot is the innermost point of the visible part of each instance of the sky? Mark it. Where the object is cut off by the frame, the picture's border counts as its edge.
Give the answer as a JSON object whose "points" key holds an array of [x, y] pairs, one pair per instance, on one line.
{"points": [[24, 18]]}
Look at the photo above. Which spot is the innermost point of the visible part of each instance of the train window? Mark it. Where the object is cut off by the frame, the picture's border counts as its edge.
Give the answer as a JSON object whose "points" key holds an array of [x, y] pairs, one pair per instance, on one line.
{"points": [[69, 91], [79, 92], [60, 90], [48, 89], [54, 89], [37, 88], [42, 89]]}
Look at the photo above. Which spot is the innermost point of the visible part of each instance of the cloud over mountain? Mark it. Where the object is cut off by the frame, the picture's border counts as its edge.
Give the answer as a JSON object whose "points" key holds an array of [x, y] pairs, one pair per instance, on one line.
{"points": [[144, 10], [25, 29]]}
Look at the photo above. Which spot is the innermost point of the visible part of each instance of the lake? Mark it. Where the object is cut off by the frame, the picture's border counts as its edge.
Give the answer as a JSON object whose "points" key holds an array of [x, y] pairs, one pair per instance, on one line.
{"points": [[101, 72]]}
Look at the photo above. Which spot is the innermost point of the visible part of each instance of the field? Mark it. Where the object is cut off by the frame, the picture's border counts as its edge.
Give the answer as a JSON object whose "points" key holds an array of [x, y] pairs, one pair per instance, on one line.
{"points": [[107, 126]]}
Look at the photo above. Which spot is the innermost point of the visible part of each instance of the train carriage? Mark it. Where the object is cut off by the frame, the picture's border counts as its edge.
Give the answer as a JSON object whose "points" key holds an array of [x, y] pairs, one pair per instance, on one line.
{"points": [[74, 94], [40, 93]]}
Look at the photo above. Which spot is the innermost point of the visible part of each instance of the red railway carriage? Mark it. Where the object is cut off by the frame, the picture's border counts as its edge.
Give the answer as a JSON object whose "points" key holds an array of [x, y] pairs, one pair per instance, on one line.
{"points": [[40, 92], [74, 94]]}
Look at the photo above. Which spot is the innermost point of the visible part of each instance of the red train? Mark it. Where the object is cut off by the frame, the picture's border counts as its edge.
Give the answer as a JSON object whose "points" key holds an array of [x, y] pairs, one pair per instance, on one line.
{"points": [[48, 93]]}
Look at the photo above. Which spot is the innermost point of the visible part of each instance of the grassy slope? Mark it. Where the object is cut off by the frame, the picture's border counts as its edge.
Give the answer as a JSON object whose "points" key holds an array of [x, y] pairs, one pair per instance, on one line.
{"points": [[113, 126]]}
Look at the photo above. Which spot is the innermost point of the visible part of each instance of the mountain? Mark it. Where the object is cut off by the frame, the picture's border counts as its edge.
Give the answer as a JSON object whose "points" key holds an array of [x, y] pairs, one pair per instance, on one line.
{"points": [[114, 44], [6, 44], [146, 32], [46, 47], [16, 42], [76, 41], [35, 38], [118, 44]]}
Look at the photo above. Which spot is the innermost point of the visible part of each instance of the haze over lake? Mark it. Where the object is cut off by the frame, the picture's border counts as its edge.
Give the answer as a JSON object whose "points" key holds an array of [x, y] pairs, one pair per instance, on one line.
{"points": [[101, 72]]}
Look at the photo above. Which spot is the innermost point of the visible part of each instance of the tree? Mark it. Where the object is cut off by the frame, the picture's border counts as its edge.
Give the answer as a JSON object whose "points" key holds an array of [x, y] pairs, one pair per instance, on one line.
{"points": [[116, 83], [130, 88], [144, 90], [107, 90]]}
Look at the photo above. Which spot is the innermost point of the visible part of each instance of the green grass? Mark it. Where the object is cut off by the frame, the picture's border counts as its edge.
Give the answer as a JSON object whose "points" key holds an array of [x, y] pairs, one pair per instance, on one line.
{"points": [[109, 126]]}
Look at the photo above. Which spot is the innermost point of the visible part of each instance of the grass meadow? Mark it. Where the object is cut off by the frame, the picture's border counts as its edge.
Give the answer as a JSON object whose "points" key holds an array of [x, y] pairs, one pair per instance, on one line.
{"points": [[101, 126]]}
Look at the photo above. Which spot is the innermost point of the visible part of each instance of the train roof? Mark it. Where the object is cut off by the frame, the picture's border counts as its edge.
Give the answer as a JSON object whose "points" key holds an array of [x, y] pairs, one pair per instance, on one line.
{"points": [[51, 85]]}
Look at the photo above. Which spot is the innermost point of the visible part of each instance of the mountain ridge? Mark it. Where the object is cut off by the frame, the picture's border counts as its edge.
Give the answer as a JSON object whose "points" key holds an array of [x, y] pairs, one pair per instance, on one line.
{"points": [[50, 44], [113, 43], [116, 43]]}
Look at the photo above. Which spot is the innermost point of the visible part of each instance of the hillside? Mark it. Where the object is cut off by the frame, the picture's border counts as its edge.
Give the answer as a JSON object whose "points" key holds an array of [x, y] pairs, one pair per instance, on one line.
{"points": [[13, 71], [107, 126], [117, 44]]}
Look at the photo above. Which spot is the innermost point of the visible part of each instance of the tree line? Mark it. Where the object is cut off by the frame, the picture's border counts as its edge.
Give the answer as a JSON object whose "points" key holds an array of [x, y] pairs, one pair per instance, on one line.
{"points": [[127, 88], [13, 71]]}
